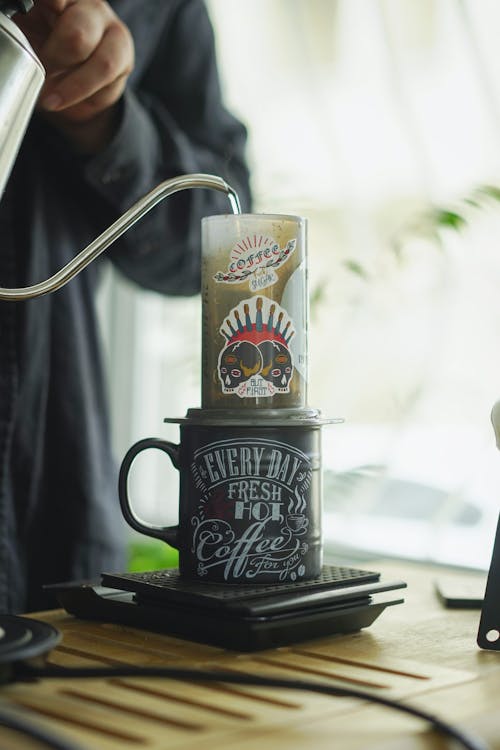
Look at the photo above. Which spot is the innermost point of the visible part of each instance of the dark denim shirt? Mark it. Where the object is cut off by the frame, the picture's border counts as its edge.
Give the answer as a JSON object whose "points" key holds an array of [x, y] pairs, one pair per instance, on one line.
{"points": [[59, 512]]}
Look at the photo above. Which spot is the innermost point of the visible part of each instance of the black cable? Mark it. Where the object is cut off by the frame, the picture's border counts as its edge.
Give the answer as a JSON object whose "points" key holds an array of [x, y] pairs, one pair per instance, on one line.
{"points": [[469, 742]]}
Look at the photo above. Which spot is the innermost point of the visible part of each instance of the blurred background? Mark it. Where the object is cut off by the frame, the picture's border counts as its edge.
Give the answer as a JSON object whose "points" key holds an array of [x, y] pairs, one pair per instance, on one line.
{"points": [[379, 121]]}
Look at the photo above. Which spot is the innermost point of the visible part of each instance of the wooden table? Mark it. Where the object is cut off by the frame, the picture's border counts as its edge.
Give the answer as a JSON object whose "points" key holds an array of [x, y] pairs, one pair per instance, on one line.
{"points": [[418, 652]]}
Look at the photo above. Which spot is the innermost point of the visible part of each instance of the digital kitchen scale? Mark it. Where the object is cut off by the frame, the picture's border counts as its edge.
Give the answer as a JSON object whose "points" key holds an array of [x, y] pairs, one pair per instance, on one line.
{"points": [[236, 617]]}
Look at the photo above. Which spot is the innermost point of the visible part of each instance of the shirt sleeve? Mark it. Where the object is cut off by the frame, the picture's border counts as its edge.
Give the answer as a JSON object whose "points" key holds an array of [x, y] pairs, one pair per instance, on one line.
{"points": [[173, 122]]}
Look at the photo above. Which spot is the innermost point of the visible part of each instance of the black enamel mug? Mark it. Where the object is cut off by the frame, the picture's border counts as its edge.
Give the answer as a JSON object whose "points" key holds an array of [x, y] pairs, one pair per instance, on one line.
{"points": [[249, 498]]}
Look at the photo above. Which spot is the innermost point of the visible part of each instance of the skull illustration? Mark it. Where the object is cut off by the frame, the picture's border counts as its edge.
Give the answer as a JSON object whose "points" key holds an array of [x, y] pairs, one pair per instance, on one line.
{"points": [[237, 363], [277, 367]]}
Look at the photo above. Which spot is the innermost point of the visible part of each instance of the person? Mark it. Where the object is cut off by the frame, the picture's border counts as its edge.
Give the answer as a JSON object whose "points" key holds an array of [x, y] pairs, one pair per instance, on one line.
{"points": [[131, 98]]}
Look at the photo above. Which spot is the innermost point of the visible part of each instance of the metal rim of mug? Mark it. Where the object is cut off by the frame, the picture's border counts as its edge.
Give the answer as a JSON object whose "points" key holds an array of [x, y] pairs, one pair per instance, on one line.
{"points": [[257, 418]]}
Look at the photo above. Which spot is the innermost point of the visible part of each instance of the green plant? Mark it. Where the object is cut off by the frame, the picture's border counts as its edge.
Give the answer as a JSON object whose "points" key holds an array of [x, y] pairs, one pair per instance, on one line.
{"points": [[151, 555], [432, 222]]}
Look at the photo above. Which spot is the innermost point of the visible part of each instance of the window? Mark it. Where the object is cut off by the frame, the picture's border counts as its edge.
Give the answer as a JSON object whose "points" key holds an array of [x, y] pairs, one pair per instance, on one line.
{"points": [[379, 121]]}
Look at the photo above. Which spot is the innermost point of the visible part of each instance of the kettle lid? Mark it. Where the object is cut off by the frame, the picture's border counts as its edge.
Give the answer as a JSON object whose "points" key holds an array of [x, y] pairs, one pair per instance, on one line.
{"points": [[10, 7]]}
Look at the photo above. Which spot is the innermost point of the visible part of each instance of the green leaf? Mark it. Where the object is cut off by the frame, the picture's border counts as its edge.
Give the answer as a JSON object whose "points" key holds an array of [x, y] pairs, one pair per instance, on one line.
{"points": [[472, 202], [491, 191], [449, 219], [317, 295], [354, 267]]}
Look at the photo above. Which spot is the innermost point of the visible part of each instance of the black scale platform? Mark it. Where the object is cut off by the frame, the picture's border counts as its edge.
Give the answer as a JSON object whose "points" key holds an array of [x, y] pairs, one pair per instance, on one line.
{"points": [[237, 617]]}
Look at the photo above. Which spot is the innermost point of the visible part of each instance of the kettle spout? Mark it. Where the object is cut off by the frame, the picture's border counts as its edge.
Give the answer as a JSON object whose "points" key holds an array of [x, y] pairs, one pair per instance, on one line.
{"points": [[124, 222]]}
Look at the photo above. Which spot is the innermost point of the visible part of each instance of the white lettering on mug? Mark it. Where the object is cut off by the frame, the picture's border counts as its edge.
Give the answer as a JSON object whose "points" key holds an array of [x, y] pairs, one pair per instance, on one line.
{"points": [[252, 518]]}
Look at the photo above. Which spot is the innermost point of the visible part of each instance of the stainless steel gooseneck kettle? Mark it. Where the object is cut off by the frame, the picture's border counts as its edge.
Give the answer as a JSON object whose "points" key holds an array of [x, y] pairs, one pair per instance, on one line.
{"points": [[21, 78]]}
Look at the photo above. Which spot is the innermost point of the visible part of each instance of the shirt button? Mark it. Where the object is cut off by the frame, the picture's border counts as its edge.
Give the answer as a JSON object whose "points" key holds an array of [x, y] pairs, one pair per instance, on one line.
{"points": [[113, 175]]}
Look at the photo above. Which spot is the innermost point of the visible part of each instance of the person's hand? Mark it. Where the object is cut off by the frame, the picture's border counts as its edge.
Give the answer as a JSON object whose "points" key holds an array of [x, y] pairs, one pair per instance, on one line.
{"points": [[88, 54]]}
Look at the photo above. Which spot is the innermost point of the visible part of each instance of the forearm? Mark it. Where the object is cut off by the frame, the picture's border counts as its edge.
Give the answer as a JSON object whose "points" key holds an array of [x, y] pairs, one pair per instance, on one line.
{"points": [[92, 136]]}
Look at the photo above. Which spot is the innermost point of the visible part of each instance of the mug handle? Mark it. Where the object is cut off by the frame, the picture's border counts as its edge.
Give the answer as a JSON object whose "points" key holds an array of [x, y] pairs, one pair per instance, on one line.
{"points": [[168, 534]]}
